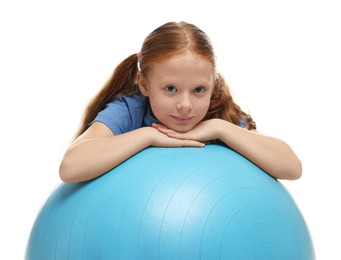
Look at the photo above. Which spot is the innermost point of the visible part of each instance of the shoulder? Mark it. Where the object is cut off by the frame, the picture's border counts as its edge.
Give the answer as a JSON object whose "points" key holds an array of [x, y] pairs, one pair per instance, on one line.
{"points": [[123, 114], [136, 101]]}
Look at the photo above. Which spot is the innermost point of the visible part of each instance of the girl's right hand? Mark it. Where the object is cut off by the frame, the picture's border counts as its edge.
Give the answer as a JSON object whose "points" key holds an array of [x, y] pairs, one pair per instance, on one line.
{"points": [[159, 139]]}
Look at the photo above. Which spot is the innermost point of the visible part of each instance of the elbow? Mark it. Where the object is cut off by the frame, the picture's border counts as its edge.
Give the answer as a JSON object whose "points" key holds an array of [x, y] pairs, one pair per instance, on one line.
{"points": [[291, 170], [67, 172], [294, 172], [71, 171], [297, 173], [64, 172]]}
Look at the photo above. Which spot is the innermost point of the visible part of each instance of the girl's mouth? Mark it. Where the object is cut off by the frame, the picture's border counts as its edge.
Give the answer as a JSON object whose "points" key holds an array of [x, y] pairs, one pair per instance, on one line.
{"points": [[182, 119]]}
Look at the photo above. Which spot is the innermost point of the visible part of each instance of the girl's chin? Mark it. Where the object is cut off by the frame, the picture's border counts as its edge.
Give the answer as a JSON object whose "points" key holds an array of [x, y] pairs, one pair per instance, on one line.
{"points": [[181, 128]]}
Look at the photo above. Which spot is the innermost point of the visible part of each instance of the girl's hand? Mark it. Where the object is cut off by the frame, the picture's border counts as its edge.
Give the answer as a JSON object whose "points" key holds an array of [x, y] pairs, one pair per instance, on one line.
{"points": [[161, 139], [203, 132]]}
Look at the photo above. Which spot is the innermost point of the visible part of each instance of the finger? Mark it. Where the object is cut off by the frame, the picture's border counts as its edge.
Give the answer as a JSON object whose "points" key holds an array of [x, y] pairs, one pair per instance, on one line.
{"points": [[155, 125], [190, 143], [159, 126], [177, 135], [163, 129]]}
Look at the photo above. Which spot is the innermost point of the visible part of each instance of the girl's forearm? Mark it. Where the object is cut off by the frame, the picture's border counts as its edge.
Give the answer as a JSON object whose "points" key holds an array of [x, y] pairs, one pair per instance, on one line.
{"points": [[90, 158], [271, 154]]}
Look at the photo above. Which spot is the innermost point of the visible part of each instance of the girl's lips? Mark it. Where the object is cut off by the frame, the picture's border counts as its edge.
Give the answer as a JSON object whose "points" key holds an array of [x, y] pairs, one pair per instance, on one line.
{"points": [[181, 119]]}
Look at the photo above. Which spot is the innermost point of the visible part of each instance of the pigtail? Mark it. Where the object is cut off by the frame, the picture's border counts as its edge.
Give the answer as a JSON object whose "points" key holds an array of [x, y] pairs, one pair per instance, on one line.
{"points": [[223, 106], [121, 83]]}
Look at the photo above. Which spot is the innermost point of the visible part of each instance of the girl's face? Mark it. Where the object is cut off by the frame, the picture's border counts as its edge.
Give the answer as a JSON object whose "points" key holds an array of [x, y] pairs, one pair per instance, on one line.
{"points": [[179, 90]]}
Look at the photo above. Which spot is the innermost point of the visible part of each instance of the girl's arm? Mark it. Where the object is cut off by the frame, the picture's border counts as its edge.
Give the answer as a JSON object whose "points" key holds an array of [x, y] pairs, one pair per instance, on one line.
{"points": [[271, 154], [97, 150]]}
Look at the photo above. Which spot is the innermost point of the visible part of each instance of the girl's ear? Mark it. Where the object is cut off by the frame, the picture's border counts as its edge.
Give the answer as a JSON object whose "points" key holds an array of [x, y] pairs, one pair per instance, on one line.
{"points": [[141, 81]]}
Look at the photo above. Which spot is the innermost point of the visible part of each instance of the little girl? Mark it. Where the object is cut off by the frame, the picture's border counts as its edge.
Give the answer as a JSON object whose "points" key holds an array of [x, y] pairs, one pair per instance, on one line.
{"points": [[169, 95]]}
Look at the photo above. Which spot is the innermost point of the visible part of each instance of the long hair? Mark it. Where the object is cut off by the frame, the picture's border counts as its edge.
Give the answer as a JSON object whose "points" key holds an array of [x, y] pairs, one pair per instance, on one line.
{"points": [[170, 39]]}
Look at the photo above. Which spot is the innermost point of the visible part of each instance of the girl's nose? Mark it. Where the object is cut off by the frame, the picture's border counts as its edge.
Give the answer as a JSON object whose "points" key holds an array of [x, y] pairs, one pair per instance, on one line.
{"points": [[184, 104]]}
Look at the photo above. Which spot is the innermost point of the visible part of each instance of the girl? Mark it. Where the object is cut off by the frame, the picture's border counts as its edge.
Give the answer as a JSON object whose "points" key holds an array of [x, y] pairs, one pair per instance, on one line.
{"points": [[169, 95]]}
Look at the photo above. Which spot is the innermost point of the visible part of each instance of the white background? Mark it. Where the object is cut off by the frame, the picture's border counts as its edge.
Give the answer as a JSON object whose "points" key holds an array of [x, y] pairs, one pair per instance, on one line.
{"points": [[282, 60]]}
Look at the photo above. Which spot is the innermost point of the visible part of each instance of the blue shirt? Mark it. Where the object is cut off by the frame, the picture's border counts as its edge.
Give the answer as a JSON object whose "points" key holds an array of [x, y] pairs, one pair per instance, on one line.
{"points": [[125, 114]]}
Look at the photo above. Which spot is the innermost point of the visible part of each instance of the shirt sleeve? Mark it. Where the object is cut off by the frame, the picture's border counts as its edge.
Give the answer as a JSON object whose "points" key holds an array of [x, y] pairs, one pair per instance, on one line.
{"points": [[122, 115], [242, 123]]}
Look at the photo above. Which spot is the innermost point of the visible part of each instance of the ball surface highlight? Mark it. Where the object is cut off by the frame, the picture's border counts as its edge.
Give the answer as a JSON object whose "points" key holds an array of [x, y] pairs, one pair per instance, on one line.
{"points": [[173, 203]]}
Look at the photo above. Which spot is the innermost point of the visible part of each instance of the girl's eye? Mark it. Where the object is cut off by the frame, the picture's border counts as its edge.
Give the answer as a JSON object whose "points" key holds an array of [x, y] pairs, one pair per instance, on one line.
{"points": [[170, 89], [199, 90]]}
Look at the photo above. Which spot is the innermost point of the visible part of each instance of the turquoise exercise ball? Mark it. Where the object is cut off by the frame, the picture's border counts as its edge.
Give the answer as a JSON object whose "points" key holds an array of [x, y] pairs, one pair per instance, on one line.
{"points": [[173, 203]]}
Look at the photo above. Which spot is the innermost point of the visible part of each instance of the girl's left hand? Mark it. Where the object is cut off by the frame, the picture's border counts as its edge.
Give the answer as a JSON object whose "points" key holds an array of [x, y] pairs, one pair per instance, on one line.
{"points": [[202, 132]]}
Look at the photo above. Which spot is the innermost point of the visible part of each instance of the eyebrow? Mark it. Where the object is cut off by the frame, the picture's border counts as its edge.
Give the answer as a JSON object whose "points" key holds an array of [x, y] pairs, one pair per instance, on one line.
{"points": [[197, 84]]}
